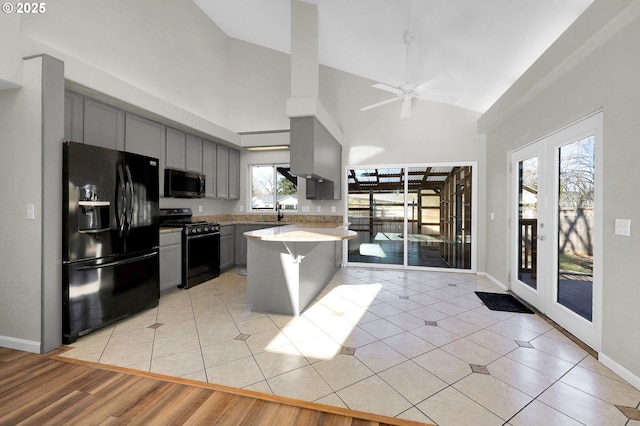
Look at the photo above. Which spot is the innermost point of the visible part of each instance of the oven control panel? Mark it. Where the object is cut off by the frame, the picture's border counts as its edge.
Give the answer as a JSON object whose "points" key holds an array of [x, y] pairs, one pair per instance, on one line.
{"points": [[202, 229]]}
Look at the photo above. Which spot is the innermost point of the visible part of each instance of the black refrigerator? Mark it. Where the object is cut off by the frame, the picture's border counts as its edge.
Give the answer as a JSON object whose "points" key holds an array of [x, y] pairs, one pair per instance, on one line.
{"points": [[110, 237]]}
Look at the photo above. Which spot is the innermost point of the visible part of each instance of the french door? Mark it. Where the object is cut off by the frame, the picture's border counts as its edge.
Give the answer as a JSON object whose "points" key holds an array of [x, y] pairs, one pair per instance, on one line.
{"points": [[556, 227]]}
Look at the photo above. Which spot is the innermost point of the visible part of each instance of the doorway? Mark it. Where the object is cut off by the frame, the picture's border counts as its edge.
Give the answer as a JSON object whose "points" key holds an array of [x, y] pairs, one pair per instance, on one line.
{"points": [[558, 234], [412, 215]]}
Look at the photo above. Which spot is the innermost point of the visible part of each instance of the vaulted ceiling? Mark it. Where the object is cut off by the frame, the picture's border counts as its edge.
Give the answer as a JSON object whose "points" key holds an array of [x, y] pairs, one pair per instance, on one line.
{"points": [[474, 50]]}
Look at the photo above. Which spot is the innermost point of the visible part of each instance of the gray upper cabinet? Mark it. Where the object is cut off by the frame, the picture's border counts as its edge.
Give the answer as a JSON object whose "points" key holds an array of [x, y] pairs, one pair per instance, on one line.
{"points": [[194, 154], [175, 149], [209, 167], [103, 125], [96, 123], [73, 117], [227, 173], [148, 138], [222, 171], [234, 174], [144, 137]]}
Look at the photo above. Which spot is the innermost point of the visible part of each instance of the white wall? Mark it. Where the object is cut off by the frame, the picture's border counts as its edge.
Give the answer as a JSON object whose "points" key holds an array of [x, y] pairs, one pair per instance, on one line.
{"points": [[168, 48], [11, 63], [603, 76]]}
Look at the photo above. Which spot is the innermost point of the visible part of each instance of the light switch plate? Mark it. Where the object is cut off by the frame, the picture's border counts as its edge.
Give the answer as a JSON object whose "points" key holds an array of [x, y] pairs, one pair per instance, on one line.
{"points": [[305, 209], [319, 209], [623, 227], [31, 211]]}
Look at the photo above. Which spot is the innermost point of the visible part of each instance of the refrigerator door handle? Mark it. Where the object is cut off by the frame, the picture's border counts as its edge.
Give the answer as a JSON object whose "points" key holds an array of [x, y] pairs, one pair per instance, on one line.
{"points": [[122, 201], [117, 262], [131, 198]]}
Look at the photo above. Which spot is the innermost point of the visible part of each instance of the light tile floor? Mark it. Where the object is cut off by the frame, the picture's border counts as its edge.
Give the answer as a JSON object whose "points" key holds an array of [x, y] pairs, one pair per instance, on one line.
{"points": [[410, 344]]}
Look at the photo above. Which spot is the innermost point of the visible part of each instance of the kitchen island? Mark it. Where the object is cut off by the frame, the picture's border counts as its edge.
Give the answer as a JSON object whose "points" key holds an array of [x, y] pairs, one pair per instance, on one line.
{"points": [[287, 266]]}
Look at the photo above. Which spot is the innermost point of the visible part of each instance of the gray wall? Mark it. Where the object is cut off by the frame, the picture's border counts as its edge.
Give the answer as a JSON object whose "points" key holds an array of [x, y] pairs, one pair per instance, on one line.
{"points": [[20, 183], [595, 65]]}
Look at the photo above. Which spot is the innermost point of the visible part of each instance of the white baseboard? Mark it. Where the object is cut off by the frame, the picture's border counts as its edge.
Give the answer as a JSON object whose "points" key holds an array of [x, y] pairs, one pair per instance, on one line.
{"points": [[619, 370], [20, 344], [493, 280]]}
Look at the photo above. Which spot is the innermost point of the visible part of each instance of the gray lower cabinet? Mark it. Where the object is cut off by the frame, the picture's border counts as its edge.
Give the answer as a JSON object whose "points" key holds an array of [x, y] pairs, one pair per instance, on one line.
{"points": [[227, 247], [241, 241], [170, 261]]}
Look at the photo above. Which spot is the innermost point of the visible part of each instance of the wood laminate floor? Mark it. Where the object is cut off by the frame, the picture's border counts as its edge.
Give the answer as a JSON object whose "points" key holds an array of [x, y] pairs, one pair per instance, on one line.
{"points": [[45, 390]]}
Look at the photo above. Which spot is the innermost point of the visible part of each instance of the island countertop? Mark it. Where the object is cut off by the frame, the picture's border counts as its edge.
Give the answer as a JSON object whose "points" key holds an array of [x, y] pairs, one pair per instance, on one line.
{"points": [[303, 232]]}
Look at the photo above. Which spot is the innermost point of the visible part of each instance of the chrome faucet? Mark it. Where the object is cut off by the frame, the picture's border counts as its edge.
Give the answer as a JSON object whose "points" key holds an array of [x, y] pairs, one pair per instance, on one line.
{"points": [[279, 210]]}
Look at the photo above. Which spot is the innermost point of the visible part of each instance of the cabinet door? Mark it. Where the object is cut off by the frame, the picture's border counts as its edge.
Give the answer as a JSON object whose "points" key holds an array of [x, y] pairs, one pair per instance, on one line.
{"points": [[73, 117], [194, 154], [170, 267], [175, 149], [146, 137], [227, 251], [234, 174], [103, 125], [209, 167], [222, 172]]}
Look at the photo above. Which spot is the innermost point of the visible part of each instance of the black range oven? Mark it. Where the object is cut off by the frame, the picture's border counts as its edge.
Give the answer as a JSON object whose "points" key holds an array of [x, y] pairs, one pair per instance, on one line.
{"points": [[200, 246]]}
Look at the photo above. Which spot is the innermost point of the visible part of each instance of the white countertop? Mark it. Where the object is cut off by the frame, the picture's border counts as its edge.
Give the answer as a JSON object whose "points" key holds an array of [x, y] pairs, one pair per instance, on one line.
{"points": [[303, 232]]}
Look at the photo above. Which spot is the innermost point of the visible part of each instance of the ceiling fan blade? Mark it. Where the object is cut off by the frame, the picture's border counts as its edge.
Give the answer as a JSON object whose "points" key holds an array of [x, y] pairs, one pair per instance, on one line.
{"points": [[430, 82], [388, 101], [405, 112], [388, 88]]}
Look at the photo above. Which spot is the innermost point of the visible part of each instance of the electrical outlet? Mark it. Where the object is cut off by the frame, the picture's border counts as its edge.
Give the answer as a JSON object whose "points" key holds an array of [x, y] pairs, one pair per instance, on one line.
{"points": [[31, 211], [305, 209], [333, 209], [241, 208], [199, 209], [318, 209]]}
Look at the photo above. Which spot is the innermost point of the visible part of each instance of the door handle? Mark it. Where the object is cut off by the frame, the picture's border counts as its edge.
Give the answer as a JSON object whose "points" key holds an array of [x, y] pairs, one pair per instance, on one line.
{"points": [[131, 195]]}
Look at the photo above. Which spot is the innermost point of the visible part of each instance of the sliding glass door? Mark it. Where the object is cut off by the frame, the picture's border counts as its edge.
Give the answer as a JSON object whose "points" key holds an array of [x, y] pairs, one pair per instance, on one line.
{"points": [[412, 216]]}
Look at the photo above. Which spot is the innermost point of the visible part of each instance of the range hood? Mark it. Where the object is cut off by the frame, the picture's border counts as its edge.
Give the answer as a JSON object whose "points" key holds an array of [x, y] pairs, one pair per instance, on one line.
{"points": [[316, 153], [316, 156]]}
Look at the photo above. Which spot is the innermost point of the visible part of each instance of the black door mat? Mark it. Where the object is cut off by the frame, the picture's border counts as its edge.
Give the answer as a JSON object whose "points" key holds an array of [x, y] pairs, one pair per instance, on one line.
{"points": [[503, 302]]}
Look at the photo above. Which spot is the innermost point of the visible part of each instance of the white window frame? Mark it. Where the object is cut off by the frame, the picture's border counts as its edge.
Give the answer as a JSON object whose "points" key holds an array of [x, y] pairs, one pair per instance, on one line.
{"points": [[275, 180]]}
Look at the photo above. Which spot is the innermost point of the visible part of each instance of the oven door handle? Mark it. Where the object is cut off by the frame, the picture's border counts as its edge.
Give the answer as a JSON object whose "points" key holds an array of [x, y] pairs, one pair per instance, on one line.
{"points": [[197, 237]]}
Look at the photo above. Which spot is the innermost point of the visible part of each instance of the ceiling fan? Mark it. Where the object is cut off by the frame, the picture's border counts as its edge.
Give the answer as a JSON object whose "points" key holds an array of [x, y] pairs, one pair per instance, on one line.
{"points": [[408, 91]]}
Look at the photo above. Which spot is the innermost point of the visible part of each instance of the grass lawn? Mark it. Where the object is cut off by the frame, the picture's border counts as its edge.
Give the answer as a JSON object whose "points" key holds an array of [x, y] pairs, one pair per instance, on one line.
{"points": [[575, 263]]}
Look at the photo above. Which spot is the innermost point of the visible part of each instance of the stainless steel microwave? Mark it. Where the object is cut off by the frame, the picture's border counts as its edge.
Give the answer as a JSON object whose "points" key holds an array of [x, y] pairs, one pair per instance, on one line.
{"points": [[181, 184]]}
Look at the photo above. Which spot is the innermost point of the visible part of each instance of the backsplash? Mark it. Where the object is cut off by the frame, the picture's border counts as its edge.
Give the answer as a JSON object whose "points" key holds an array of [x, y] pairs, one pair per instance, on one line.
{"points": [[271, 218]]}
